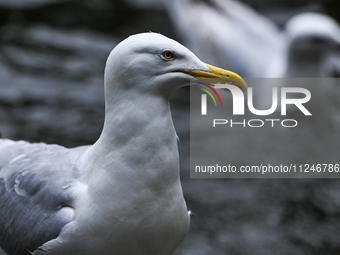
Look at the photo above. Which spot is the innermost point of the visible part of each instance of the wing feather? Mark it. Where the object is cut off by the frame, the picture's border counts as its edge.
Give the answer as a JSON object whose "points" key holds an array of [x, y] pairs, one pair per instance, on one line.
{"points": [[35, 197]]}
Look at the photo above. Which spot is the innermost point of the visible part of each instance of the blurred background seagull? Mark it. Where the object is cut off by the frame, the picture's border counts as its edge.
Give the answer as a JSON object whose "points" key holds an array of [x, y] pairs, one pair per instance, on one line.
{"points": [[313, 40], [312, 51], [122, 195], [228, 32], [308, 39]]}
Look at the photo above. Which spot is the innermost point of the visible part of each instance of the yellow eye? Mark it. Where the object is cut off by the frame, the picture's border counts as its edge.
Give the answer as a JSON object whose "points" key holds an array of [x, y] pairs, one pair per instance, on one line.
{"points": [[168, 54]]}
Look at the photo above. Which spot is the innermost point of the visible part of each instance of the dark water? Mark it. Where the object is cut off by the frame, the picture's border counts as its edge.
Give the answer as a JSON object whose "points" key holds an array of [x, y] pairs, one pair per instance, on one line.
{"points": [[52, 56]]}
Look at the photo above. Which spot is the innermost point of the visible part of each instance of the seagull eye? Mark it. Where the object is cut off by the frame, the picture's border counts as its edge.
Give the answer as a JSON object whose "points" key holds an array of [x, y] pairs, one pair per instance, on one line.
{"points": [[168, 54]]}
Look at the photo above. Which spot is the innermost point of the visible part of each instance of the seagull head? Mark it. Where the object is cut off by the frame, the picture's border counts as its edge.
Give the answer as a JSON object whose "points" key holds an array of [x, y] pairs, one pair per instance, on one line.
{"points": [[313, 37], [154, 64]]}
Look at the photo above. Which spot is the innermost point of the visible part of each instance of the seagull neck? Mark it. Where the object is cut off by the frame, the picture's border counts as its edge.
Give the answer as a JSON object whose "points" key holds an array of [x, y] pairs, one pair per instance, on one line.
{"points": [[138, 139]]}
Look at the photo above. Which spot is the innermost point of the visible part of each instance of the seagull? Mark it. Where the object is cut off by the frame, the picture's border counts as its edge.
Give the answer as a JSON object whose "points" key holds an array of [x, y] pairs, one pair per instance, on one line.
{"points": [[312, 51], [313, 41], [259, 48], [308, 47], [122, 195], [207, 26]]}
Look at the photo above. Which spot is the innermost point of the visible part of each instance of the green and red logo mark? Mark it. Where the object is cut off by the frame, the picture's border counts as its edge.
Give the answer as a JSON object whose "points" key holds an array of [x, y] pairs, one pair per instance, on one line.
{"points": [[209, 93]]}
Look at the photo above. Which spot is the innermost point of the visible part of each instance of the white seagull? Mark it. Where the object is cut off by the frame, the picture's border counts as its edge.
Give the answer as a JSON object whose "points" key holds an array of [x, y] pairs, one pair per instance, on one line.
{"points": [[313, 41], [122, 195], [229, 33], [307, 47]]}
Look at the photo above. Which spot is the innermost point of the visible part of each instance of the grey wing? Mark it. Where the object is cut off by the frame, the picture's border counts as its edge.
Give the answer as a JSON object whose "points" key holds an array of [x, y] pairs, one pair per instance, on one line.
{"points": [[35, 202]]}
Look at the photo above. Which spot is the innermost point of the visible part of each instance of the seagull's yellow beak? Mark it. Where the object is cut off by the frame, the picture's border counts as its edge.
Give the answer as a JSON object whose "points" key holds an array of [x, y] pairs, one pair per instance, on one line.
{"points": [[220, 76]]}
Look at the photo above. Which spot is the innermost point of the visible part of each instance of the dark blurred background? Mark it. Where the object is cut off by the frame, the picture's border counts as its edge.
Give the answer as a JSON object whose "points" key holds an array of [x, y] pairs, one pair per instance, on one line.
{"points": [[52, 58]]}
